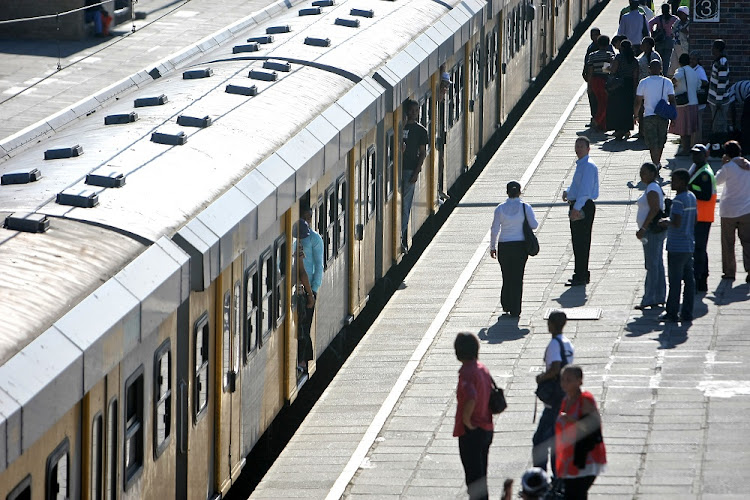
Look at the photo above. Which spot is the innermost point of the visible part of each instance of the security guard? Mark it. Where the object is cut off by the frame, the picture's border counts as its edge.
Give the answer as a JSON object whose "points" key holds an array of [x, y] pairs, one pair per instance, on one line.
{"points": [[703, 185]]}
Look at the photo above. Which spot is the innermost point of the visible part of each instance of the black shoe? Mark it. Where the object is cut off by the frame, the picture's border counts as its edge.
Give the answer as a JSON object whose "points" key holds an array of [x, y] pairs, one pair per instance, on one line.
{"points": [[576, 282], [731, 278], [747, 279], [686, 319], [668, 318], [701, 286]]}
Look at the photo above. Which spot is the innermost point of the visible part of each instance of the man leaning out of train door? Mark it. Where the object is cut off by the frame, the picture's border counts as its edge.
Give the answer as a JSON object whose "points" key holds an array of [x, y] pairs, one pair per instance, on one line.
{"points": [[415, 151]]}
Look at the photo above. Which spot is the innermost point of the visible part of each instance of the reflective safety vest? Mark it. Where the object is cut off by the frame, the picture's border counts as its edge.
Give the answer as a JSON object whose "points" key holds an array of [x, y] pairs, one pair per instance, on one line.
{"points": [[701, 182]]}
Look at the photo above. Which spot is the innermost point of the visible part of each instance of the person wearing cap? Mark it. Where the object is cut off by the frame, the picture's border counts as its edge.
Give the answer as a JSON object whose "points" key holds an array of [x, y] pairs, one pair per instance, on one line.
{"points": [[703, 185], [414, 149], [680, 32], [734, 208], [583, 190], [508, 245]]}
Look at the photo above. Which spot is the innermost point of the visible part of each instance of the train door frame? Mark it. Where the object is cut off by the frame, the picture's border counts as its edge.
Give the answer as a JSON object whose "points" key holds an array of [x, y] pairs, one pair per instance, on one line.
{"points": [[380, 162]]}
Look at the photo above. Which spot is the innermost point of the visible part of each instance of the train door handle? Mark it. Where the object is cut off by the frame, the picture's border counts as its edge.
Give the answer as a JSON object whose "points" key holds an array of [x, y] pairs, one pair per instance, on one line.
{"points": [[471, 105], [359, 232], [503, 68], [232, 380]]}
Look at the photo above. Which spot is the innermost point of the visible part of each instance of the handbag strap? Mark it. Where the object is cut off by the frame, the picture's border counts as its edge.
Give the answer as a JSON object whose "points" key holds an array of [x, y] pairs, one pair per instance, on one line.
{"points": [[562, 350]]}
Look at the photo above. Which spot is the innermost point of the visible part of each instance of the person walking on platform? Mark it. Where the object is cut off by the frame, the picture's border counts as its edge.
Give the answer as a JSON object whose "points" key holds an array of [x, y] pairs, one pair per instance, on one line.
{"points": [[633, 25], [507, 243], [660, 29], [734, 208], [594, 34], [686, 83], [473, 423], [680, 34], [703, 185], [680, 247], [415, 151], [622, 97], [559, 353], [650, 205], [597, 70], [650, 91], [581, 454], [583, 190]]}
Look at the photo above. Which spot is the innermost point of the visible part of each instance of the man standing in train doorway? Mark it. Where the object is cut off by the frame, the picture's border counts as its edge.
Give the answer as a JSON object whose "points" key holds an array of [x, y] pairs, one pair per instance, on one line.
{"points": [[415, 151], [583, 190], [312, 244]]}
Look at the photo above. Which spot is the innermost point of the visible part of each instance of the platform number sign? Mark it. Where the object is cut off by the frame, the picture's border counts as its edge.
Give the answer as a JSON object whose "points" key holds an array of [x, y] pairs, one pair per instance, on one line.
{"points": [[706, 11]]}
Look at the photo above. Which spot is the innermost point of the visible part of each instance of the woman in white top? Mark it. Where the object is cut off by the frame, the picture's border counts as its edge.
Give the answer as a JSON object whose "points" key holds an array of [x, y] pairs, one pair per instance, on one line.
{"points": [[650, 204], [685, 81], [734, 208], [695, 63], [508, 244]]}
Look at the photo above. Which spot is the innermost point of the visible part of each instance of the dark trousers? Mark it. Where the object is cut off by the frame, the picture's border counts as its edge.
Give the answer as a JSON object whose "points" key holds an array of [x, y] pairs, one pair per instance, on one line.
{"points": [[680, 265], [304, 344], [544, 439], [512, 257], [700, 254], [592, 102], [580, 232], [578, 488], [474, 447]]}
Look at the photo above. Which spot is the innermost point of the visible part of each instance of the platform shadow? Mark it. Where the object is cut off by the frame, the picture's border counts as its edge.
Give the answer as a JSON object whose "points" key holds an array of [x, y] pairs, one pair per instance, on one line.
{"points": [[57, 48], [674, 335], [645, 324], [572, 297], [726, 293], [506, 329]]}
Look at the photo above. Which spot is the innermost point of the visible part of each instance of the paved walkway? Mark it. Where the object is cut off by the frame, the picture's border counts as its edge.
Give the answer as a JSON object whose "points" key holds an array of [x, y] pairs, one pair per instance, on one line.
{"points": [[673, 397], [32, 88]]}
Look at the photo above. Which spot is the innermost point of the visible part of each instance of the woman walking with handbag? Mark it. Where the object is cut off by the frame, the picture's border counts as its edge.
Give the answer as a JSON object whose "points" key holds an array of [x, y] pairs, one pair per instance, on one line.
{"points": [[509, 245], [686, 84], [621, 88], [581, 455], [650, 207], [473, 423]]}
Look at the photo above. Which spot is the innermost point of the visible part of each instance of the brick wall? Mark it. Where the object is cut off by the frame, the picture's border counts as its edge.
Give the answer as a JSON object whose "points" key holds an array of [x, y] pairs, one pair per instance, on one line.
{"points": [[71, 26], [734, 28]]}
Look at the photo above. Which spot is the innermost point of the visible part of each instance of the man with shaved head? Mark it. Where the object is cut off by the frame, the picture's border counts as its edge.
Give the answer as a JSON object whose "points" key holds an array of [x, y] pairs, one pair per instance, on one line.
{"points": [[651, 90]]}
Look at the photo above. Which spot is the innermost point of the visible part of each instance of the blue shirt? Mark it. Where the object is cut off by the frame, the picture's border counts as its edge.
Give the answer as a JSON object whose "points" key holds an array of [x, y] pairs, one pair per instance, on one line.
{"points": [[313, 262], [585, 185], [682, 239]]}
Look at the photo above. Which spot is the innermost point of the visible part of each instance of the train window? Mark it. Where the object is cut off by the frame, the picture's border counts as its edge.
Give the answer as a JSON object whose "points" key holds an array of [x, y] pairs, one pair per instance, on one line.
{"points": [[459, 87], [200, 381], [329, 241], [341, 215], [133, 445], [237, 318], [226, 341], [477, 69], [265, 279], [251, 310], [95, 484], [162, 397], [371, 181], [112, 441], [22, 491], [58, 472], [389, 157], [316, 218], [425, 115], [279, 279]]}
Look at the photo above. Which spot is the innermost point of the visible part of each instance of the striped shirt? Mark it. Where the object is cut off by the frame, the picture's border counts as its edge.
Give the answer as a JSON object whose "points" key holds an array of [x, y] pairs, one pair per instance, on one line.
{"points": [[682, 239], [718, 84], [601, 60], [740, 91]]}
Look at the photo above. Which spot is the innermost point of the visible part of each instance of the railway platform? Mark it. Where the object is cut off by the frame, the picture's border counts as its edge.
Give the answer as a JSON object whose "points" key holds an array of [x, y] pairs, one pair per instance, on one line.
{"points": [[673, 397], [41, 77]]}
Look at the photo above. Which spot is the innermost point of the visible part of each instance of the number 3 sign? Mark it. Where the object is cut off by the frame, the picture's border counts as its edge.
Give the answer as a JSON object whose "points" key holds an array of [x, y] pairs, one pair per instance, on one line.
{"points": [[706, 11]]}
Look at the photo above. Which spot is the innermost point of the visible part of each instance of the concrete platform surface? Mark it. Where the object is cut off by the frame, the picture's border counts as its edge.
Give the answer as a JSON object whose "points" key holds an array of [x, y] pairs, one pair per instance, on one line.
{"points": [[673, 396]]}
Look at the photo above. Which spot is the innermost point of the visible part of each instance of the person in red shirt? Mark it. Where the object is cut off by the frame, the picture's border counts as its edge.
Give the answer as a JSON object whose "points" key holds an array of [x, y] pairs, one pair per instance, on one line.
{"points": [[581, 455], [473, 425]]}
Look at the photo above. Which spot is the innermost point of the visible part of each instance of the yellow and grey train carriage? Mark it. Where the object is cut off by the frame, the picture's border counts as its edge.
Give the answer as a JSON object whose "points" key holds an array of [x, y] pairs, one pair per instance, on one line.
{"points": [[147, 266]]}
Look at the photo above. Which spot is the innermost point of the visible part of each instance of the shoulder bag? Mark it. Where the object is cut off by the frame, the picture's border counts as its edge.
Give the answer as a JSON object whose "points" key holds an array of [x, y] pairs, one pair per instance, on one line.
{"points": [[497, 399], [660, 34], [663, 109], [654, 226], [532, 243], [549, 391], [683, 99]]}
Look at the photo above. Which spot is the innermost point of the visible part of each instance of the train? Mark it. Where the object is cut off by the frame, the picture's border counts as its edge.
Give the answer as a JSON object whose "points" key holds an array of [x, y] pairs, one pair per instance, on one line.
{"points": [[149, 281]]}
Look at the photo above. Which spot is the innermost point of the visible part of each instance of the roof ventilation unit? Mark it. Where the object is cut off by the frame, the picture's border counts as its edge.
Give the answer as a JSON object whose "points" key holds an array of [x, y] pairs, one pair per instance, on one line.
{"points": [[21, 176], [197, 73], [143, 102], [105, 177], [250, 47], [349, 23], [315, 11], [362, 12], [121, 119], [266, 76], [275, 30], [177, 139], [317, 42], [84, 198], [27, 223], [261, 39], [60, 153], [193, 121], [242, 90], [323, 3], [278, 66]]}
